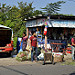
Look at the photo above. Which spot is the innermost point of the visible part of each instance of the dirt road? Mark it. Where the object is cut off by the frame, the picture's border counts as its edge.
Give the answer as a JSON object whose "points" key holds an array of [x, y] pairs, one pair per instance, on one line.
{"points": [[12, 61]]}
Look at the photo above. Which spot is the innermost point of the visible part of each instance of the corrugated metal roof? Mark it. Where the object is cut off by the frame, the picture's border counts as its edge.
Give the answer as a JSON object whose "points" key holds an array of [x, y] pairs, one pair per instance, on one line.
{"points": [[61, 17]]}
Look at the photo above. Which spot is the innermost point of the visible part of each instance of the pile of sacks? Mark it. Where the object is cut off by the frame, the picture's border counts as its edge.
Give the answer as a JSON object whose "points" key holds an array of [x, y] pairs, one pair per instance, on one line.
{"points": [[21, 56], [24, 55]]}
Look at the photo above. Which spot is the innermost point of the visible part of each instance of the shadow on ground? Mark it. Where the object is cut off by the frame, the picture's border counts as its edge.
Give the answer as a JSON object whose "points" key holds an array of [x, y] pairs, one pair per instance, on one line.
{"points": [[13, 70], [48, 63], [3, 55], [70, 74]]}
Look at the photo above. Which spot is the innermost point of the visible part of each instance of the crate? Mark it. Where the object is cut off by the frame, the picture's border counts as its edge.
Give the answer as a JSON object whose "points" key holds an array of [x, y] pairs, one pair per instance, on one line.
{"points": [[48, 57], [58, 59]]}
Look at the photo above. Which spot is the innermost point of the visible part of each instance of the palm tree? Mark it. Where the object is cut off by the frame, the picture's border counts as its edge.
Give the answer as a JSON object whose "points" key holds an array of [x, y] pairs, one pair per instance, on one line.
{"points": [[53, 8]]}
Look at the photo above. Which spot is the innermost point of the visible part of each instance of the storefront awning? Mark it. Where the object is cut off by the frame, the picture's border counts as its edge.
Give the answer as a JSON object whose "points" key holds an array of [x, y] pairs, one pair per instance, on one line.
{"points": [[61, 23], [36, 25]]}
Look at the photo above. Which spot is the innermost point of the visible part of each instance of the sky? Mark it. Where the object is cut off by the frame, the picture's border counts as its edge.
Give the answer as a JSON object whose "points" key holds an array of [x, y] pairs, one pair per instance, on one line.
{"points": [[67, 8]]}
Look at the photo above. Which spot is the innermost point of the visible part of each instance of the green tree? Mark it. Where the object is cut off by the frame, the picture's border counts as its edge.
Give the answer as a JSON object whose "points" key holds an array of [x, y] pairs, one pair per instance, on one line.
{"points": [[36, 12], [53, 8], [12, 13], [26, 10], [14, 17]]}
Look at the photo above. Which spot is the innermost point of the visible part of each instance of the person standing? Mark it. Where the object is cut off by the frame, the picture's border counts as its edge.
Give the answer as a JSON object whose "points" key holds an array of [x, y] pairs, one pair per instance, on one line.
{"points": [[33, 45], [24, 39], [73, 47], [37, 32]]}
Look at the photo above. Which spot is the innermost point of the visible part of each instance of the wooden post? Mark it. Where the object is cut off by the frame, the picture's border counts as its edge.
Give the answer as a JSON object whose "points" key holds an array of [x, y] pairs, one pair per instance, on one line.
{"points": [[45, 42], [27, 31]]}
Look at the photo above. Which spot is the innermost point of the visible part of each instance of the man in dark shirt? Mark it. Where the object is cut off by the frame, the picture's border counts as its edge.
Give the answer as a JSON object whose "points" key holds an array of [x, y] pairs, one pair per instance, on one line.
{"points": [[33, 44]]}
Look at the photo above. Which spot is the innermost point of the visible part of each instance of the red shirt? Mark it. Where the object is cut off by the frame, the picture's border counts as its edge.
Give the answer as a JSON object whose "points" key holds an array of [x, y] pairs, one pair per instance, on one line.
{"points": [[72, 40], [33, 41]]}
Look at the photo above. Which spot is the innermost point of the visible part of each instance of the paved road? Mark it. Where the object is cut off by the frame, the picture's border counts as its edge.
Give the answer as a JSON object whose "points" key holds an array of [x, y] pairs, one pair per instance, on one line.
{"points": [[37, 69]]}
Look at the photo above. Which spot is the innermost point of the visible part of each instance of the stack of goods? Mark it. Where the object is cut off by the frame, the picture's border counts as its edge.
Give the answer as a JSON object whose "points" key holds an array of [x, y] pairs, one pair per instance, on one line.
{"points": [[24, 55], [21, 56], [69, 50]]}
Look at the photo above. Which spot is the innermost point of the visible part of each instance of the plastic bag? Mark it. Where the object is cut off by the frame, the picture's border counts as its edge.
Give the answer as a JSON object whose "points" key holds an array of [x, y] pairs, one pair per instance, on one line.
{"points": [[41, 56]]}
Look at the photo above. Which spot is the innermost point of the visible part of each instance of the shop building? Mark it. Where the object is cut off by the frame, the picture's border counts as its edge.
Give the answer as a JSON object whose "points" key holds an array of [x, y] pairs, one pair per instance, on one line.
{"points": [[59, 28]]}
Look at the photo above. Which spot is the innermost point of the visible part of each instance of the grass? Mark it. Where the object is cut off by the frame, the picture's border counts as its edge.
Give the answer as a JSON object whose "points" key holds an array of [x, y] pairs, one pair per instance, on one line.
{"points": [[69, 63]]}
